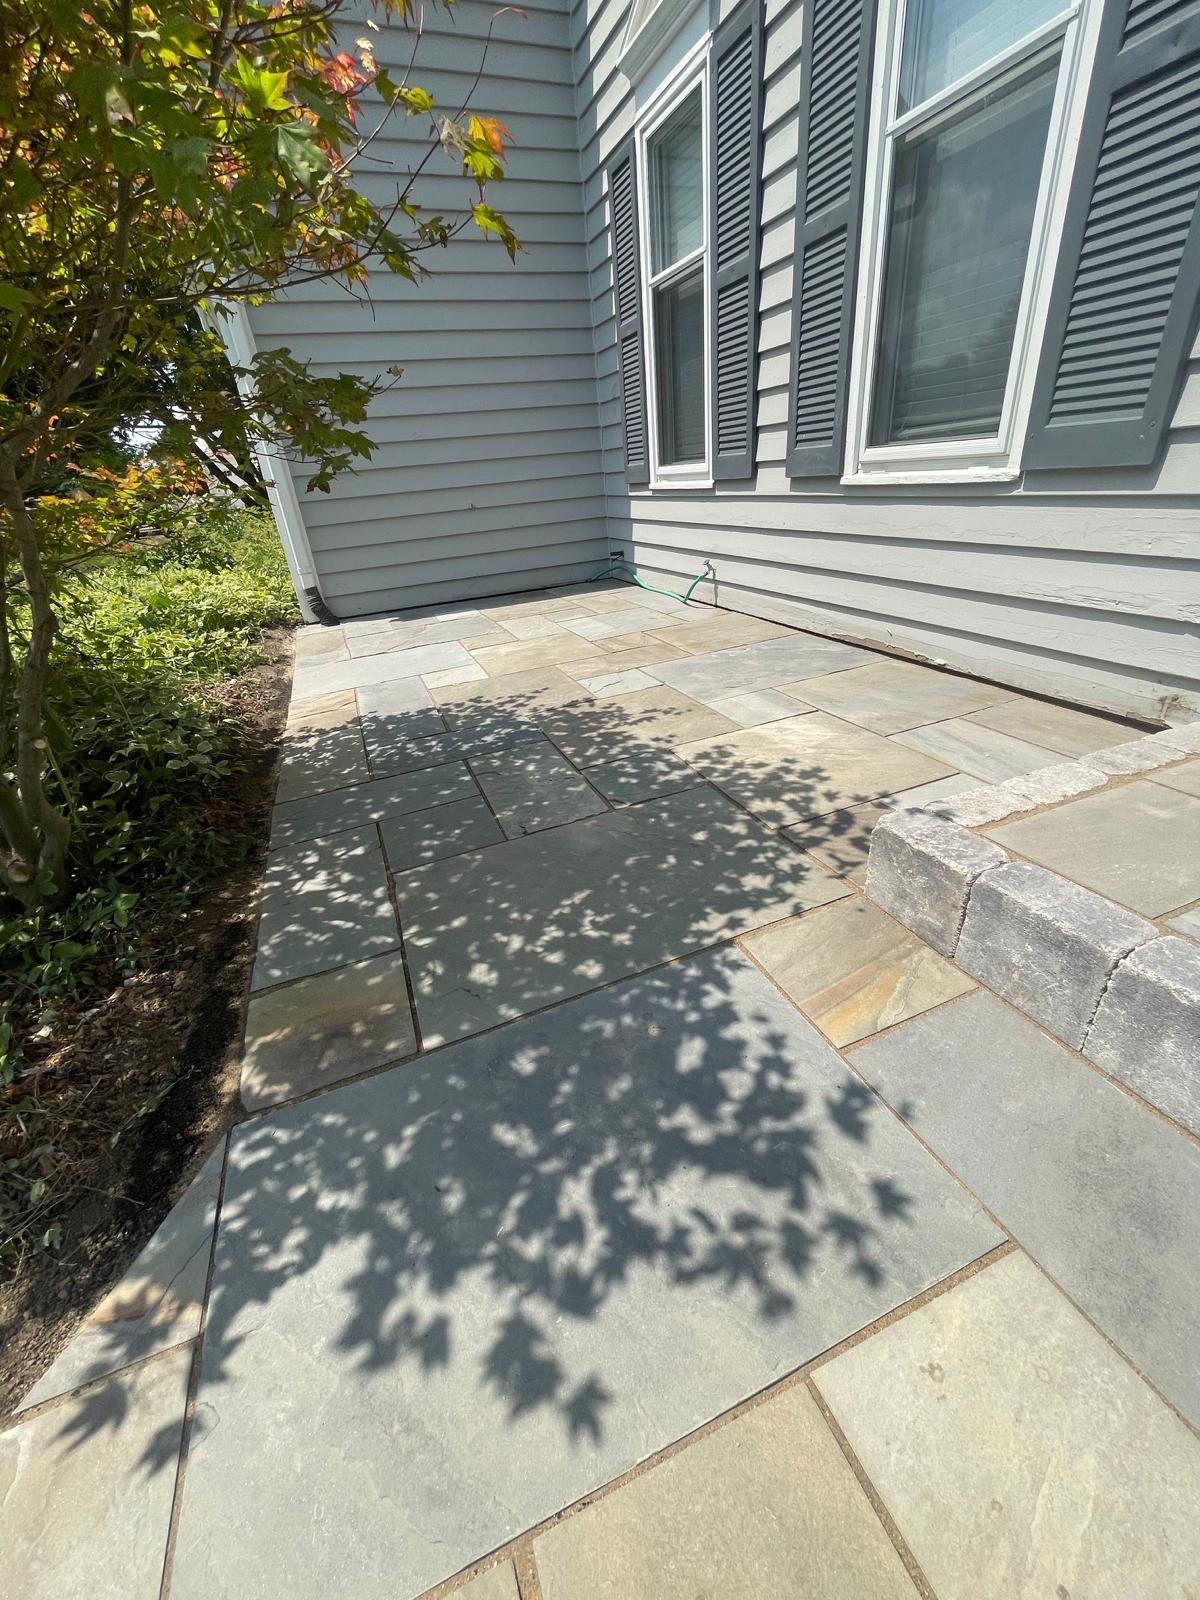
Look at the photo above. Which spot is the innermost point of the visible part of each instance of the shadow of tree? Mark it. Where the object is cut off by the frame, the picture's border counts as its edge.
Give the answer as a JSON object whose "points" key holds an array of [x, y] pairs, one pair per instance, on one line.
{"points": [[496, 1276]]}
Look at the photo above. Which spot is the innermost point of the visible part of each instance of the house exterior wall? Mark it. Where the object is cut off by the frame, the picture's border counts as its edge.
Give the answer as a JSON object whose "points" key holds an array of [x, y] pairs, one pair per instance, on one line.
{"points": [[487, 473], [1082, 583]]}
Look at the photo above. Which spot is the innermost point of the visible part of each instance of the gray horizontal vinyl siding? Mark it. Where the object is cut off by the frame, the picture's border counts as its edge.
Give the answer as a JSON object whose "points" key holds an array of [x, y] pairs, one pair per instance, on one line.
{"points": [[1084, 584], [486, 476]]}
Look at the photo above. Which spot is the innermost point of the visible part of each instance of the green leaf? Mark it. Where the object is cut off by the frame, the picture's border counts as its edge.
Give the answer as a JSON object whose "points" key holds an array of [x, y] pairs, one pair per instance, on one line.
{"points": [[301, 155], [12, 298]]}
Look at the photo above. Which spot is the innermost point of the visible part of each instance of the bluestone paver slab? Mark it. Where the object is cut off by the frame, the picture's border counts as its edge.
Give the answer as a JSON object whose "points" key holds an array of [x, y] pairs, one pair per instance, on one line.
{"points": [[968, 745], [450, 830], [808, 765], [322, 747], [410, 635], [612, 624], [1188, 923], [841, 840], [527, 655], [764, 1508], [591, 731], [315, 639], [393, 713], [757, 706], [625, 654], [324, 815], [1186, 778], [534, 787], [410, 755], [613, 682], [643, 774], [86, 1488], [890, 696], [507, 698], [1017, 1452], [451, 1299], [1101, 1192], [759, 666], [322, 1029], [502, 932], [157, 1301], [497, 1583], [452, 675], [720, 630], [324, 676], [324, 903], [1061, 728], [1138, 844], [853, 970]]}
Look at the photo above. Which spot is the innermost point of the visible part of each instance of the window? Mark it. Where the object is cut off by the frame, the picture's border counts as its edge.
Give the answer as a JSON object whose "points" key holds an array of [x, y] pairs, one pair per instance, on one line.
{"points": [[676, 241], [958, 197]]}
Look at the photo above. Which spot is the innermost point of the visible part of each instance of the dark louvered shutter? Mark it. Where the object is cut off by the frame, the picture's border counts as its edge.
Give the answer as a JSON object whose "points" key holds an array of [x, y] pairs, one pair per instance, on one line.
{"points": [[734, 205], [1124, 300], [627, 294], [835, 79]]}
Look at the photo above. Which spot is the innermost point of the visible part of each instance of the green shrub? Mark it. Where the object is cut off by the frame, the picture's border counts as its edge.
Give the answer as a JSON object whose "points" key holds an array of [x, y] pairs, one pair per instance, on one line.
{"points": [[143, 749]]}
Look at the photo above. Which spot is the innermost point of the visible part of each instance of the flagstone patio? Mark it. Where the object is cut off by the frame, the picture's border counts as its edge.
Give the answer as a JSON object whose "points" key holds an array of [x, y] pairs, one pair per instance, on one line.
{"points": [[689, 1226]]}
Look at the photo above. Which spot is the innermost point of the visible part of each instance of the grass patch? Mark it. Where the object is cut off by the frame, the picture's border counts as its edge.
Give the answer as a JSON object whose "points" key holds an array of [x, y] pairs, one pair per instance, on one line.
{"points": [[144, 738]]}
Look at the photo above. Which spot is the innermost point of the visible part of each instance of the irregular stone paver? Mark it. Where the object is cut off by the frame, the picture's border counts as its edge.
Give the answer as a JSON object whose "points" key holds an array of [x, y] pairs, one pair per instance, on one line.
{"points": [[1138, 844], [534, 787], [923, 869], [765, 1508], [425, 836], [395, 712], [760, 666], [853, 970], [1101, 1192], [157, 1302], [807, 765], [1142, 755], [324, 903], [333, 1025], [1147, 1028], [643, 774], [1017, 1452], [449, 1300], [890, 696], [1185, 778], [324, 676], [410, 755], [322, 747], [87, 1489], [328, 815], [1045, 945], [971, 747], [1048, 785], [501, 932], [1061, 728], [603, 730]]}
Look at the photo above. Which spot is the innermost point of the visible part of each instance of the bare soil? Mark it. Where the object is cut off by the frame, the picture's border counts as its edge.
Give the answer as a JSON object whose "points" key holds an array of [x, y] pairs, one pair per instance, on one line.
{"points": [[161, 1054]]}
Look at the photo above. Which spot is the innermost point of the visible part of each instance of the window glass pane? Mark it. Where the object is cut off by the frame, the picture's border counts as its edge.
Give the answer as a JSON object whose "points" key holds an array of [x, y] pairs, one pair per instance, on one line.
{"points": [[946, 39], [676, 187], [963, 197], [679, 366]]}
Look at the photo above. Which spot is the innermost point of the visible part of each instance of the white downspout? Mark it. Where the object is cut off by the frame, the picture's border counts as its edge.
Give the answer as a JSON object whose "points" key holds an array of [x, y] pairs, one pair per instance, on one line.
{"points": [[237, 336]]}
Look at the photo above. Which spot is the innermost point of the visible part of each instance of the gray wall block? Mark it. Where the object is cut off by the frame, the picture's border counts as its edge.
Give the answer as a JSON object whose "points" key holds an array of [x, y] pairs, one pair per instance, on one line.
{"points": [[1147, 1030], [1046, 945], [921, 868]]}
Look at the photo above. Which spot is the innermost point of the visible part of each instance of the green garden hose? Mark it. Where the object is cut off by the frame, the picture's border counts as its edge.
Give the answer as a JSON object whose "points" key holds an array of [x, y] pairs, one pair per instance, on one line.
{"points": [[613, 567]]}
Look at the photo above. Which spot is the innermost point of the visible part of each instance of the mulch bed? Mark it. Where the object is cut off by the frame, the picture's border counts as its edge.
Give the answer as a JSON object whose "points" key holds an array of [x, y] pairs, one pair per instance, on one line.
{"points": [[168, 1040]]}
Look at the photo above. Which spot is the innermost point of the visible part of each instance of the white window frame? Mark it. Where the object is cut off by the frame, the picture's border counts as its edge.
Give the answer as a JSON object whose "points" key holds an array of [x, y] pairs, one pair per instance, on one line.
{"points": [[691, 76], [995, 459]]}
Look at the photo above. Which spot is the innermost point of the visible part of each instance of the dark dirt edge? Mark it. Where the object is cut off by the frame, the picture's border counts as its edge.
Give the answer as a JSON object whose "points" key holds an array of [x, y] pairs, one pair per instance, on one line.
{"points": [[201, 1024]]}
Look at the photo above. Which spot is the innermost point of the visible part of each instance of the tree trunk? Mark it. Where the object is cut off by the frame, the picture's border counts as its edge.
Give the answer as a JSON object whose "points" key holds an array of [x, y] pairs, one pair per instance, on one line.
{"points": [[35, 831]]}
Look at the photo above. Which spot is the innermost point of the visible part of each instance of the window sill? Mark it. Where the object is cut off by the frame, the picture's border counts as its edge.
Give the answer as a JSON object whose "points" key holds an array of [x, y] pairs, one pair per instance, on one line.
{"points": [[921, 475], [672, 485]]}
